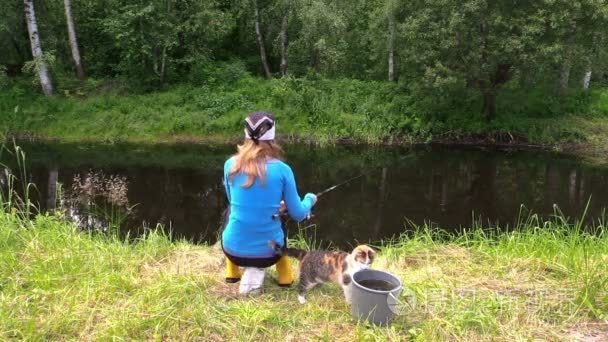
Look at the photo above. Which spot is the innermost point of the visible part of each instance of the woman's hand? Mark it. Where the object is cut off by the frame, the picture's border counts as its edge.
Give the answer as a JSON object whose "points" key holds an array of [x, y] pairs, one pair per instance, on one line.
{"points": [[310, 198], [313, 197]]}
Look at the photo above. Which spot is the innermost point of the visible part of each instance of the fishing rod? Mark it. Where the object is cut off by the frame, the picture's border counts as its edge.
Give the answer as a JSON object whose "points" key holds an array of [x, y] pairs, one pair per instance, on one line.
{"points": [[333, 187], [319, 194]]}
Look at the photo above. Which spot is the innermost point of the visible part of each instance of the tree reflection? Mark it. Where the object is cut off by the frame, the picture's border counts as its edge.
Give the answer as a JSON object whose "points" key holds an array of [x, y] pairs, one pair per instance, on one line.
{"points": [[439, 185], [381, 200], [51, 200]]}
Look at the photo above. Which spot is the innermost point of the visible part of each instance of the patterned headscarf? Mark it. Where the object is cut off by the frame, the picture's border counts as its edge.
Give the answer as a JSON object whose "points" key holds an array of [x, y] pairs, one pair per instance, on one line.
{"points": [[259, 126]]}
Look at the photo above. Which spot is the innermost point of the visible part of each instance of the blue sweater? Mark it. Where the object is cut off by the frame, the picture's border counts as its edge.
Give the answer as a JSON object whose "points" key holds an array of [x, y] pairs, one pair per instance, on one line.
{"points": [[251, 224]]}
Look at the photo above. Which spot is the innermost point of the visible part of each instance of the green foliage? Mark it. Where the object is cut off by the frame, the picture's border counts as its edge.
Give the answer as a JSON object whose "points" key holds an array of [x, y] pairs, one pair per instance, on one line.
{"points": [[31, 67], [334, 109], [151, 43], [321, 39], [453, 59], [13, 39], [220, 73], [319, 109], [443, 48]]}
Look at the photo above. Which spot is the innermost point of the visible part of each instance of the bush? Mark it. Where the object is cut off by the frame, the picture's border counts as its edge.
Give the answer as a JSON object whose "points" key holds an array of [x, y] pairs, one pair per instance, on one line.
{"points": [[321, 109], [217, 73], [221, 103]]}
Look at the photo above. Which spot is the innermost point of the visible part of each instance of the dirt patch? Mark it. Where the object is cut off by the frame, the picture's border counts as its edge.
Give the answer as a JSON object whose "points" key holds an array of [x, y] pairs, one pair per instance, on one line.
{"points": [[189, 261], [447, 254], [589, 332], [337, 331]]}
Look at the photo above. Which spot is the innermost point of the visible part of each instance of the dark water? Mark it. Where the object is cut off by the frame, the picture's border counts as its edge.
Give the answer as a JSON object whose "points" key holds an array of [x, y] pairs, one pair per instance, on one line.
{"points": [[376, 284], [179, 186]]}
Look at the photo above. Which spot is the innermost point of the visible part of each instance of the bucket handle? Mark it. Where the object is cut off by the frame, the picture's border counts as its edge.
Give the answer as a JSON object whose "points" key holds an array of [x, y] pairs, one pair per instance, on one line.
{"points": [[399, 301]]}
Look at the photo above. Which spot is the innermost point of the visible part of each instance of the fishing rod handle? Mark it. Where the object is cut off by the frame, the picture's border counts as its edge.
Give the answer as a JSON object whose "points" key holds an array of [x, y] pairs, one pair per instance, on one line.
{"points": [[276, 216]]}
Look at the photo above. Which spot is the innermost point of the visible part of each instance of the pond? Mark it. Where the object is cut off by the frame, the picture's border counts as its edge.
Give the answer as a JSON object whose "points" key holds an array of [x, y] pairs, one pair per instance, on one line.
{"points": [[179, 186]]}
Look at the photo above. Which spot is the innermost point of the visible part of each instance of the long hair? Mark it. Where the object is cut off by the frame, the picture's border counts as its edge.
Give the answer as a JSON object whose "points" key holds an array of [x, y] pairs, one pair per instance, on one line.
{"points": [[251, 160]]}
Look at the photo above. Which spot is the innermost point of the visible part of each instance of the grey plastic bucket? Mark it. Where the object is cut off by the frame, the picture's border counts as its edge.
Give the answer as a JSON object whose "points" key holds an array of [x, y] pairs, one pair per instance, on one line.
{"points": [[374, 305]]}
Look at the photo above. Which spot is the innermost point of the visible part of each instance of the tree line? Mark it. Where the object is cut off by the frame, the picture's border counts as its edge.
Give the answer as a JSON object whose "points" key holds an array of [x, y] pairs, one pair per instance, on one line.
{"points": [[438, 45]]}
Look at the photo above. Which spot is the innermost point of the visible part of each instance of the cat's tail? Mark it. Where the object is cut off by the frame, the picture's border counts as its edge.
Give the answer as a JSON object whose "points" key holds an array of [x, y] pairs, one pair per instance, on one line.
{"points": [[292, 252]]}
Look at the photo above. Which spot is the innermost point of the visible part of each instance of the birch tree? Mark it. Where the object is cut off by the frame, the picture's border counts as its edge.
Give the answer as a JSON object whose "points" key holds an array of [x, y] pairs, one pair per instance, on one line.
{"points": [[587, 75], [382, 37], [563, 19], [564, 76], [284, 42], [391, 20], [73, 40], [595, 52], [260, 40], [391, 48], [41, 66], [577, 29]]}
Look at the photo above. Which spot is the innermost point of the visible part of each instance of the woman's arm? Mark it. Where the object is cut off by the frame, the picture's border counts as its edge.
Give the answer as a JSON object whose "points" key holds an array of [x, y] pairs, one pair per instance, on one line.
{"points": [[226, 177], [297, 209]]}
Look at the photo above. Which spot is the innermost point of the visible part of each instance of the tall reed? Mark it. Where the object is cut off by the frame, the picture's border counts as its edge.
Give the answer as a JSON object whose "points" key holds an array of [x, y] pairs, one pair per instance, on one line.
{"points": [[16, 189]]}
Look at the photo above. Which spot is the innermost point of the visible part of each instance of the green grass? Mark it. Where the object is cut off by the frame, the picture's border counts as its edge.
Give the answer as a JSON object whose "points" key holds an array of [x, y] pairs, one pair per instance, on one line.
{"points": [[545, 280], [324, 109], [316, 109]]}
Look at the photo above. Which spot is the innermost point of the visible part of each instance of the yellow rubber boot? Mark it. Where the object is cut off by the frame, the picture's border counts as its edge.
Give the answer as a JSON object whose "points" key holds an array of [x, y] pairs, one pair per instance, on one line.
{"points": [[284, 271], [233, 273]]}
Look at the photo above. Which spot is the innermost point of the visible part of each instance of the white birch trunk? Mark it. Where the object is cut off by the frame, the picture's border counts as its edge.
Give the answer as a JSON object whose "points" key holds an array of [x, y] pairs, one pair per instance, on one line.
{"points": [[564, 77], [163, 66], [284, 44], [391, 48], [73, 41], [32, 28], [160, 70], [260, 39], [587, 79], [587, 76]]}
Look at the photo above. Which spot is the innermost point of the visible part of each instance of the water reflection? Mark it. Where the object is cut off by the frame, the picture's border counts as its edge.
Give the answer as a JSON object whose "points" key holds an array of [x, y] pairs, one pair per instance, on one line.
{"points": [[51, 191], [445, 186]]}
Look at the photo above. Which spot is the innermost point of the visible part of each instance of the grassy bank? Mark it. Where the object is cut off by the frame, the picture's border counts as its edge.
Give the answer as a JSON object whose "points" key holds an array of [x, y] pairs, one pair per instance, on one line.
{"points": [[317, 109], [56, 283]]}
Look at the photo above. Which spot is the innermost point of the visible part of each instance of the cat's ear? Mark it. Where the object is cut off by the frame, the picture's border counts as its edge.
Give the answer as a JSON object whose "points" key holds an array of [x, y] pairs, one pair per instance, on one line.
{"points": [[364, 254], [371, 254], [359, 254]]}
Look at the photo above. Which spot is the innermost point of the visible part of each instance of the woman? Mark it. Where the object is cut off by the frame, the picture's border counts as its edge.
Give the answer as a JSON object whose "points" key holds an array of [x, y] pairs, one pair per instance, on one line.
{"points": [[257, 182]]}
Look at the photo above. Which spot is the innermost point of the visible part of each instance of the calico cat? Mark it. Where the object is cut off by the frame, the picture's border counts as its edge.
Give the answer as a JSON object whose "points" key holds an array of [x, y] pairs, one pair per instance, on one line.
{"points": [[317, 267]]}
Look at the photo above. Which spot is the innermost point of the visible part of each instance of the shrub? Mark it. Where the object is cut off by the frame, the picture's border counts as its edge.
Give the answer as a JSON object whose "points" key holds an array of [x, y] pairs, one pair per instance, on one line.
{"points": [[217, 73]]}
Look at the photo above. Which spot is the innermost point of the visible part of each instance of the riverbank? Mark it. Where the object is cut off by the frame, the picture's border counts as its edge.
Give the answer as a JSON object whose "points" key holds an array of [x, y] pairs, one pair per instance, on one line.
{"points": [[313, 111], [537, 283]]}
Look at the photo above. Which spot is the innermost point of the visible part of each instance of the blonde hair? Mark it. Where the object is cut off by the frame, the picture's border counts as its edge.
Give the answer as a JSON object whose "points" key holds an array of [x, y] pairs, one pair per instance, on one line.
{"points": [[251, 160]]}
